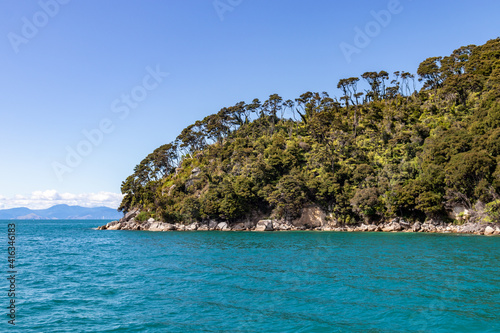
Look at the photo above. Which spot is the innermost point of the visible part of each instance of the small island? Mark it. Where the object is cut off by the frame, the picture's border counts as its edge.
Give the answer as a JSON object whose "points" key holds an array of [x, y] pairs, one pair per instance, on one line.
{"points": [[383, 156]]}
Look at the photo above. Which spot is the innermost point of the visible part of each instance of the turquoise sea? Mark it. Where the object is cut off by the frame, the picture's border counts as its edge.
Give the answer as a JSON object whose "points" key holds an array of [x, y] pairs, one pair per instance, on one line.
{"points": [[71, 278]]}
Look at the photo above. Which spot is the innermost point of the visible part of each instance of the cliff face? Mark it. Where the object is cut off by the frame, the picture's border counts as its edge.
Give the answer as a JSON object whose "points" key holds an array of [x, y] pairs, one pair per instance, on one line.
{"points": [[388, 152]]}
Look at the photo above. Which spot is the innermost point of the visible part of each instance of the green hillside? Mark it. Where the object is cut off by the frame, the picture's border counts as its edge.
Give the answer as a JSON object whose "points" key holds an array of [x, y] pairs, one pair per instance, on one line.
{"points": [[379, 150]]}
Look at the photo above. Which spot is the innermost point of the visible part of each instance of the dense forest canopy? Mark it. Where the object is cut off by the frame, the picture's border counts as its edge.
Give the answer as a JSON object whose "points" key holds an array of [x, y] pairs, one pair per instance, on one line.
{"points": [[370, 154]]}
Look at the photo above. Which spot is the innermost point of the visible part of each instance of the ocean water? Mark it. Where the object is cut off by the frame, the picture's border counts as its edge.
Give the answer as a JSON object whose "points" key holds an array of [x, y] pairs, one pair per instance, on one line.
{"points": [[71, 278]]}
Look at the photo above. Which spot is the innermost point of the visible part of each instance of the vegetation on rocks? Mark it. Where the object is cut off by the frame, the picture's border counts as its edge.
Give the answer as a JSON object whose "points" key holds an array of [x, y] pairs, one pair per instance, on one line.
{"points": [[379, 151]]}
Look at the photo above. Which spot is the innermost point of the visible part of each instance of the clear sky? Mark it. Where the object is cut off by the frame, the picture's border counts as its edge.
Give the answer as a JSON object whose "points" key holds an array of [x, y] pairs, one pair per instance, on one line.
{"points": [[89, 88]]}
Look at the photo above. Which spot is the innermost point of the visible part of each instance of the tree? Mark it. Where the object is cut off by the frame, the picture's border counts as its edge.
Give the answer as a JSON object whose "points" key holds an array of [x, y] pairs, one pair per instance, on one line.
{"points": [[349, 88], [430, 71], [377, 84], [289, 196], [468, 175], [366, 202]]}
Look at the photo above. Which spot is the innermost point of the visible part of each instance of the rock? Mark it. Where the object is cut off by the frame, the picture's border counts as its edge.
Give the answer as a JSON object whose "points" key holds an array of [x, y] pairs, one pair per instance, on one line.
{"points": [[427, 227], [392, 226], [239, 227], [264, 225], [192, 227], [169, 226], [311, 217], [404, 224], [223, 226], [416, 226], [470, 228], [284, 226], [372, 228], [116, 226], [151, 220], [249, 225], [212, 225], [203, 227], [331, 222], [489, 231], [180, 227], [459, 213], [156, 226], [110, 224], [133, 213], [162, 226]]}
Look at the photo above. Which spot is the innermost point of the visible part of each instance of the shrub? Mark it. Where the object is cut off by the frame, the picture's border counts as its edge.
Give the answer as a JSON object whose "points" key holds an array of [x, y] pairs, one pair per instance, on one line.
{"points": [[142, 216], [493, 211]]}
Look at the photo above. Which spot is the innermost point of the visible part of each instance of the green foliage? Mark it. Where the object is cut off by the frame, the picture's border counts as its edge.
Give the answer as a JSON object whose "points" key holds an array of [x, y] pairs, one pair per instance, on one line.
{"points": [[142, 216], [469, 174], [388, 151], [288, 196], [366, 202], [493, 211]]}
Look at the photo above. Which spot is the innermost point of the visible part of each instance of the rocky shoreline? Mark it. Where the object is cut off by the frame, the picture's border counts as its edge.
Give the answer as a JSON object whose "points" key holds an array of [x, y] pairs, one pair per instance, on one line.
{"points": [[128, 222]]}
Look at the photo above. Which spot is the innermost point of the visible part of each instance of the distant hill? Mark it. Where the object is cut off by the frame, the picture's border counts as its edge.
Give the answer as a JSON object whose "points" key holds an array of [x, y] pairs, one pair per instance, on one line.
{"points": [[60, 212]]}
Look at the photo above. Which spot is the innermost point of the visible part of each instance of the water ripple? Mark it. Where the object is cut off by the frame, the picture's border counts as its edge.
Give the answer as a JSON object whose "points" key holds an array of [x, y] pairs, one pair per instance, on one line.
{"points": [[72, 278]]}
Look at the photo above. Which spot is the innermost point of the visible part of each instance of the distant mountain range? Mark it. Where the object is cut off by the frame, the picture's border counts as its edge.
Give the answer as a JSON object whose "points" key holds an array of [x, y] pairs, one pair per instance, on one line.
{"points": [[60, 212]]}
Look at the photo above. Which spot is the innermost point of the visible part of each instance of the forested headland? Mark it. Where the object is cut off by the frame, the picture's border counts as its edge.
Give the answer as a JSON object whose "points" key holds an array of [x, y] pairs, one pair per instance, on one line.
{"points": [[381, 149]]}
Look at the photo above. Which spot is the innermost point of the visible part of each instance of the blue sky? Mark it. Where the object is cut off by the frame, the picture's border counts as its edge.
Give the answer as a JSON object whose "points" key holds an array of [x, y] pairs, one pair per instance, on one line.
{"points": [[133, 74]]}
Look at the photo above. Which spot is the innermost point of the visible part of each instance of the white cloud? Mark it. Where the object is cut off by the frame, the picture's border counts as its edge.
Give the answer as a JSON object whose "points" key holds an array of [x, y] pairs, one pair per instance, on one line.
{"points": [[49, 198], [45, 195]]}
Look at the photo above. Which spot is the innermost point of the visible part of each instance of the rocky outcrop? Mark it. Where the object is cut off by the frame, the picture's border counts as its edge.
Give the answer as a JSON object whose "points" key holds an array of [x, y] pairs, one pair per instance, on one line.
{"points": [[489, 231], [159, 226], [392, 226], [223, 226], [313, 220], [311, 217], [239, 227], [212, 225], [264, 225], [203, 227], [192, 227]]}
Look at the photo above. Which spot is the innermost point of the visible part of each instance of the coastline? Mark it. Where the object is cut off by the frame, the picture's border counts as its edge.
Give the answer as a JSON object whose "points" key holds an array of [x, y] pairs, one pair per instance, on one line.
{"points": [[128, 222]]}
